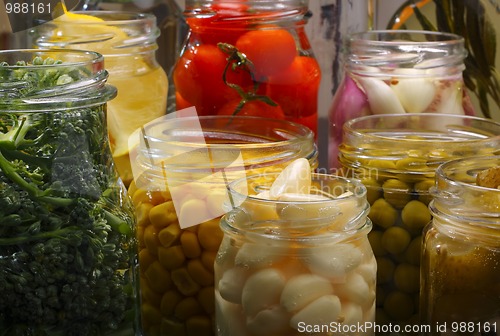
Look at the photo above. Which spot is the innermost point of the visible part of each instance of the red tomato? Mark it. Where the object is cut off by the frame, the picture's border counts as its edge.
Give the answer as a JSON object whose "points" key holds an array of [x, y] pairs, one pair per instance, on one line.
{"points": [[296, 88], [254, 108], [271, 50], [180, 102], [198, 78]]}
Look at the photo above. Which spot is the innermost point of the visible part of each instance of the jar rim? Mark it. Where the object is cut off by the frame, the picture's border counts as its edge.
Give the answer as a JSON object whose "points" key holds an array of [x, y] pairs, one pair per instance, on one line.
{"points": [[113, 17], [374, 37], [357, 225], [87, 86], [380, 142]]}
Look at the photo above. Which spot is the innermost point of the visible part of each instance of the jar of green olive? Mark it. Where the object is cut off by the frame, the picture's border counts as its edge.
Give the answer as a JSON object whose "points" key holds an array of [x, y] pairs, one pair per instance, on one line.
{"points": [[461, 249], [395, 157]]}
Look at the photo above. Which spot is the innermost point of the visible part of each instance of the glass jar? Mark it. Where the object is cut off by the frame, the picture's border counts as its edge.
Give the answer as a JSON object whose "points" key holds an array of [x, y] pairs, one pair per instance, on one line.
{"points": [[248, 58], [292, 267], [394, 72], [395, 157], [128, 43], [67, 230], [461, 251], [183, 166]]}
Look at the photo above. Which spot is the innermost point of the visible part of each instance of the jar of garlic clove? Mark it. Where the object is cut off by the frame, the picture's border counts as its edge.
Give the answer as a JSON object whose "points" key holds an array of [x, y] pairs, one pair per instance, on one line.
{"points": [[397, 72], [461, 249], [297, 262], [181, 169]]}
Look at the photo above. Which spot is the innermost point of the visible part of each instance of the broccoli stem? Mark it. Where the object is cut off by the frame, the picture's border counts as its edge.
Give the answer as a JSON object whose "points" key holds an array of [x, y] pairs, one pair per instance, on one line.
{"points": [[117, 223], [32, 190], [42, 235]]}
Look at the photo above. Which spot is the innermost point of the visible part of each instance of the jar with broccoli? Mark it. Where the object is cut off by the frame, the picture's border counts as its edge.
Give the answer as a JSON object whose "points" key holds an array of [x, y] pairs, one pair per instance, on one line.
{"points": [[67, 242]]}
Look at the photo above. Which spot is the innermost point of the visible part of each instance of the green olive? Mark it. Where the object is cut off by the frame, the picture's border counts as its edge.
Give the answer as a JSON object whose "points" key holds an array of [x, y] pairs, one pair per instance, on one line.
{"points": [[396, 192], [422, 190], [415, 216], [399, 306], [375, 238], [383, 214], [412, 164], [412, 253], [373, 189], [385, 270], [396, 239], [407, 278]]}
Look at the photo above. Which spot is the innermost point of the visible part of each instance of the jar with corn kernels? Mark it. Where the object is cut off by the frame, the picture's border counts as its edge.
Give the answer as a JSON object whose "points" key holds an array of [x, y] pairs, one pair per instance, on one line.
{"points": [[182, 167], [395, 157], [461, 249], [296, 263]]}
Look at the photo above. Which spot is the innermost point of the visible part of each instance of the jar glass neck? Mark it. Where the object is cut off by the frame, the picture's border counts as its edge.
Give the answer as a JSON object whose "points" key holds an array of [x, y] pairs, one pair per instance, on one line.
{"points": [[107, 32], [405, 54], [336, 210], [77, 79], [463, 206], [415, 143], [251, 12]]}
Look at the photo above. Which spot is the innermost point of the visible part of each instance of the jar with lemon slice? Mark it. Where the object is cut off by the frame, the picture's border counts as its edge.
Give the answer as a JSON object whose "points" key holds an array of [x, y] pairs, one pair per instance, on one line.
{"points": [[128, 43], [182, 167], [461, 249]]}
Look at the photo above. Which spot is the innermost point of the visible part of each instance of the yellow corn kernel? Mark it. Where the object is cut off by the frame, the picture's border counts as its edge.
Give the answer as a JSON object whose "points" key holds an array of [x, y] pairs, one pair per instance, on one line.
{"points": [[167, 196], [190, 245], [199, 326], [199, 273], [148, 295], [172, 327], [171, 257], [142, 213], [151, 239], [169, 300], [187, 307], [206, 298], [132, 188], [163, 214], [158, 277], [183, 282], [208, 259], [139, 232], [145, 259], [141, 196], [210, 235], [169, 235], [150, 314], [193, 212]]}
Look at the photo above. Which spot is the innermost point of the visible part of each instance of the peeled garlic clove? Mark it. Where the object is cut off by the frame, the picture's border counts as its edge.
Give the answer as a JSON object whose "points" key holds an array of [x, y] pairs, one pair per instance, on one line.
{"points": [[230, 317], [381, 98], [355, 289], [231, 284], [262, 290], [270, 321], [322, 311], [351, 314], [451, 100], [256, 255], [302, 289], [415, 94], [295, 178], [333, 261]]}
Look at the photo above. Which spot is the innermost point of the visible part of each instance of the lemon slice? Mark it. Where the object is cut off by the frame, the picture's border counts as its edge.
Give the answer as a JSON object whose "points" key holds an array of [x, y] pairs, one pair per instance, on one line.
{"points": [[294, 179]]}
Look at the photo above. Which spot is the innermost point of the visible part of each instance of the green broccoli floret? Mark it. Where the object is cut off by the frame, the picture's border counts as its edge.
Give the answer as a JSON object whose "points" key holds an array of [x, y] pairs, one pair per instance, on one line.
{"points": [[67, 244]]}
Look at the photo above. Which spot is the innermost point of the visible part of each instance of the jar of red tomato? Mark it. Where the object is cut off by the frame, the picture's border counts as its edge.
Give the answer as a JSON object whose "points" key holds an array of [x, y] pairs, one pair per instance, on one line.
{"points": [[248, 58]]}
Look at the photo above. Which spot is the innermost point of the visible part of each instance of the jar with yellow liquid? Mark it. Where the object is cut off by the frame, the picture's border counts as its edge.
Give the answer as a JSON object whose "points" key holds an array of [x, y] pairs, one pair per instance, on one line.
{"points": [[128, 43], [182, 167]]}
